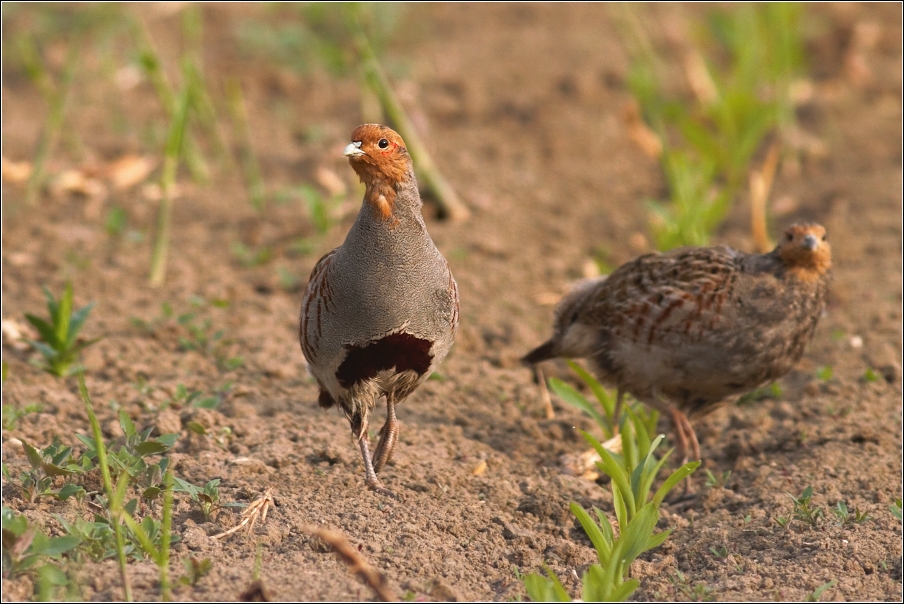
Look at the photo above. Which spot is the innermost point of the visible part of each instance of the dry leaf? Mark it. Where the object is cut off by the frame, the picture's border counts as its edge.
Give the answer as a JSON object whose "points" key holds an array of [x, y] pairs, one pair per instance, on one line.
{"points": [[700, 80], [590, 269], [645, 138], [76, 181], [129, 170], [547, 298], [128, 77], [152, 191], [480, 468], [16, 172], [330, 181], [16, 333]]}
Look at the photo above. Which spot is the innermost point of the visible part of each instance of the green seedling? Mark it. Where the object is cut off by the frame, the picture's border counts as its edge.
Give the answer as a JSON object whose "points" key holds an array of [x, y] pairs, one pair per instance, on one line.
{"points": [[773, 391], [111, 495], [150, 327], [116, 221], [96, 539], [12, 414], [46, 465], [825, 373], [207, 497], [804, 509], [24, 546], [256, 189], [202, 337], [636, 509], [53, 584], [847, 517], [130, 460], [708, 143], [320, 208], [896, 510], [783, 521], [195, 399], [719, 552], [288, 281], [871, 376], [195, 570], [692, 593], [176, 103], [59, 345], [249, 257], [817, 593], [202, 105], [717, 481], [56, 97], [171, 153]]}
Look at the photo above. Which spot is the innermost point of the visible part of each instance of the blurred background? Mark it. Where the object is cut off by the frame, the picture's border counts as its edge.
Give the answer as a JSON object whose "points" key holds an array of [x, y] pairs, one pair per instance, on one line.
{"points": [[180, 166]]}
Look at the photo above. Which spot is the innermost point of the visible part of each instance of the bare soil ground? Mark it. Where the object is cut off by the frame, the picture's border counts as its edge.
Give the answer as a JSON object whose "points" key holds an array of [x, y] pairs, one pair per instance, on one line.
{"points": [[522, 107]]}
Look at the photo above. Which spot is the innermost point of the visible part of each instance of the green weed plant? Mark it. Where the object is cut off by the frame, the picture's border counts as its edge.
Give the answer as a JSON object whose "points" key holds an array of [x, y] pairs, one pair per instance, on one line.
{"points": [[632, 475], [748, 55], [59, 345]]}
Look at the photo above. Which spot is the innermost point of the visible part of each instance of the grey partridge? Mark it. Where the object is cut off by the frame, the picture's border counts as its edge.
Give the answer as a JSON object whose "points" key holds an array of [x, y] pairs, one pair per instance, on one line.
{"points": [[683, 330], [380, 311]]}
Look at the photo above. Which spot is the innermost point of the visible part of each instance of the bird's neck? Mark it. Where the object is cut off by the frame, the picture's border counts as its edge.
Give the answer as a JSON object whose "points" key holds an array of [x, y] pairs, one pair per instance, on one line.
{"points": [[392, 201]]}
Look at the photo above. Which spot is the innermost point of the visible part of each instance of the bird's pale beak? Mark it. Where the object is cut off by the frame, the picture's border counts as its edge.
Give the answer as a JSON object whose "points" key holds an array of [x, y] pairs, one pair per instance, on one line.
{"points": [[811, 242], [353, 150]]}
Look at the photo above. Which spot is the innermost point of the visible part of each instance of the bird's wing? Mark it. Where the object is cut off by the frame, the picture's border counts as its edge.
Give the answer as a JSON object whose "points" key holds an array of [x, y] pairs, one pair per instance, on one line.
{"points": [[671, 298], [316, 299]]}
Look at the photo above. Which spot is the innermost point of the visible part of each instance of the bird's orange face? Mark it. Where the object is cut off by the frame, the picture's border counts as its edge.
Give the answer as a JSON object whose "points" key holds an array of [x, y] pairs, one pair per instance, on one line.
{"points": [[378, 153], [804, 248]]}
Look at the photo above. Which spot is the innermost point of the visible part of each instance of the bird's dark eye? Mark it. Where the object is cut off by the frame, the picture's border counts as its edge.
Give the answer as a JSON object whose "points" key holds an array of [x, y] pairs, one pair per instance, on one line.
{"points": [[824, 237], [789, 236], [383, 143]]}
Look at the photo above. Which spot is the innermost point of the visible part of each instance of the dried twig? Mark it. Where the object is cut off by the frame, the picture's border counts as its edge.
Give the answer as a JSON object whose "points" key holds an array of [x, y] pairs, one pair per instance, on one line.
{"points": [[257, 509], [356, 563], [544, 393], [760, 186]]}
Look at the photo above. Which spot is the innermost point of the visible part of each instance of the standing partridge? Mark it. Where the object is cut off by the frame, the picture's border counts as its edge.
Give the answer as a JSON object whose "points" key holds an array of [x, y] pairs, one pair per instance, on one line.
{"points": [[381, 310], [683, 330]]}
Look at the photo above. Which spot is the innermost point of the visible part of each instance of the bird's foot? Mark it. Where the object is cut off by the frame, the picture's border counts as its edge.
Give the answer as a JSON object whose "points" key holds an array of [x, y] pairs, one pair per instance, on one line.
{"points": [[376, 486]]}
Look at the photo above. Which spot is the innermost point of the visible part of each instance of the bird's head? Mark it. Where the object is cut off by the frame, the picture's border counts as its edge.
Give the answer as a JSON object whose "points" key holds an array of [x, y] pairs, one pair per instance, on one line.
{"points": [[804, 250], [378, 153]]}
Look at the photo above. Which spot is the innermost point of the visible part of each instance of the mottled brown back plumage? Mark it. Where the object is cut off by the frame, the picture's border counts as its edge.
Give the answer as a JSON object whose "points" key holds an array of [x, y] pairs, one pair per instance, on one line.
{"points": [[683, 330]]}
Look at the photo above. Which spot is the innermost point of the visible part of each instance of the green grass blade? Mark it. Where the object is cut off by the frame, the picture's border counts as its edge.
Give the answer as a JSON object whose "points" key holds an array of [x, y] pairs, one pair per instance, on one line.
{"points": [[45, 329], [167, 180], [593, 531], [676, 477], [108, 483], [612, 469], [64, 314], [75, 323], [577, 400], [624, 591], [605, 399]]}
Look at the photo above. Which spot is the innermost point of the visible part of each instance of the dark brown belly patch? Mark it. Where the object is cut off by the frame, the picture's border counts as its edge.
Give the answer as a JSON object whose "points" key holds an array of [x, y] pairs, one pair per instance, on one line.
{"points": [[401, 351]]}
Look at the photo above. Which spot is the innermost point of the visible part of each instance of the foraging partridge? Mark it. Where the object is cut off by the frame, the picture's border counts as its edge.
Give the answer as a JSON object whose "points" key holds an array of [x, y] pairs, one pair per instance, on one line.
{"points": [[682, 331], [381, 310]]}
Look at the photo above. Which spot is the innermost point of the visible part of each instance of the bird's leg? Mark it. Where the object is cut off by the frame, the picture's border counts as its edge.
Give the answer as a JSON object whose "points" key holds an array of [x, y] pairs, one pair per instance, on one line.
{"points": [[389, 435], [679, 421], [359, 429], [686, 436]]}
